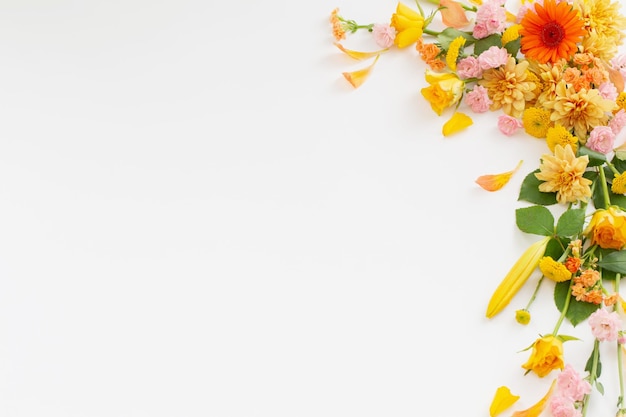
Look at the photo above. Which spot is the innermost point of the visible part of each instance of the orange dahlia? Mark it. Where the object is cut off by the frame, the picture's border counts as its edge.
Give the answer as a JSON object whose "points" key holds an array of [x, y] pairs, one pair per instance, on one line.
{"points": [[551, 31]]}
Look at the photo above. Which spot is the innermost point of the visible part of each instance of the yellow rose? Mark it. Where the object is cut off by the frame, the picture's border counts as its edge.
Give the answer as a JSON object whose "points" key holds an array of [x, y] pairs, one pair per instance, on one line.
{"points": [[607, 228], [408, 24], [445, 90], [546, 356]]}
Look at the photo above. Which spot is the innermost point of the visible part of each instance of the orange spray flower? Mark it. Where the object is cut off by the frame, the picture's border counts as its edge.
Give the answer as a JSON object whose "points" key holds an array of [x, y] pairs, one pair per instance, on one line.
{"points": [[551, 32]]}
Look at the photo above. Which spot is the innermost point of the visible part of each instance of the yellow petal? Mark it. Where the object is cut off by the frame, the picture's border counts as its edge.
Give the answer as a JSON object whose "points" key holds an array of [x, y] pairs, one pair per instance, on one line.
{"points": [[358, 77], [502, 400], [517, 276], [494, 182], [510, 17], [536, 409], [407, 37], [459, 121], [359, 55]]}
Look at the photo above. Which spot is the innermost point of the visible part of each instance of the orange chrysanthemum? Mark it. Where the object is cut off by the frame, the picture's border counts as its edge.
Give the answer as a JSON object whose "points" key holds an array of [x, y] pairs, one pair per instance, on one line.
{"points": [[551, 31]]}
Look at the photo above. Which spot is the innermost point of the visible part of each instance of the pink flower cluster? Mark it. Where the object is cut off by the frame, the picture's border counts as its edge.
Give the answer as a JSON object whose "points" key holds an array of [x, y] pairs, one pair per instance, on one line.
{"points": [[473, 67], [490, 19], [605, 325], [571, 390]]}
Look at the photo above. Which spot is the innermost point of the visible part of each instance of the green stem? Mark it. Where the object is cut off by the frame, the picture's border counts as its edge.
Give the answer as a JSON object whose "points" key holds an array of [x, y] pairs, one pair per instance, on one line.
{"points": [[420, 7], [532, 298], [431, 32], [605, 188], [592, 374], [564, 311], [620, 399]]}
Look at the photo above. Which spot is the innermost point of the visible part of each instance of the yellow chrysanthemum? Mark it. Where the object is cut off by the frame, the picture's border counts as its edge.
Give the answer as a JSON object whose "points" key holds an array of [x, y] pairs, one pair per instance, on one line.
{"points": [[619, 184], [554, 270], [522, 316], [604, 24], [508, 87], [536, 121], [511, 33], [563, 173], [582, 110], [558, 135], [453, 52]]}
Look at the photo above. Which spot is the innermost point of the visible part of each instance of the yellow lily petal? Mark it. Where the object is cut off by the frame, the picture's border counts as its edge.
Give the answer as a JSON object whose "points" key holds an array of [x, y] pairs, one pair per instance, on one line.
{"points": [[459, 121], [502, 400], [517, 276], [359, 55], [494, 182], [536, 409], [358, 77], [510, 17]]}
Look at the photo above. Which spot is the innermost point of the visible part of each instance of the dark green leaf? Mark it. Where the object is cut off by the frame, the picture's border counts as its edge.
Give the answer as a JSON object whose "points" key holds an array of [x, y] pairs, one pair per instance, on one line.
{"points": [[485, 43], [529, 191], [537, 220], [513, 47], [598, 194], [578, 311], [556, 247], [570, 223], [614, 261], [589, 365]]}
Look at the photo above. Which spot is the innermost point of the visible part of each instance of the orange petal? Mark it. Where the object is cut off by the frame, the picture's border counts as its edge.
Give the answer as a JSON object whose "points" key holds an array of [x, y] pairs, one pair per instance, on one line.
{"points": [[357, 54], [459, 121], [496, 181], [358, 77], [502, 400], [536, 409], [453, 14]]}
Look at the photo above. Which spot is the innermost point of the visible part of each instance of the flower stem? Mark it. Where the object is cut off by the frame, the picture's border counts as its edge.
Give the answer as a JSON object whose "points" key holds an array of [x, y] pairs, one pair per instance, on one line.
{"points": [[592, 374], [605, 188], [620, 365], [532, 297], [564, 311]]}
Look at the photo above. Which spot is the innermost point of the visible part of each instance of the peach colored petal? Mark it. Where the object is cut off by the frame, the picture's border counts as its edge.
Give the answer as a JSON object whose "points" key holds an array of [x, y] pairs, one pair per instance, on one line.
{"points": [[502, 400], [536, 409], [616, 78], [453, 14], [358, 77], [494, 182], [357, 54], [459, 121]]}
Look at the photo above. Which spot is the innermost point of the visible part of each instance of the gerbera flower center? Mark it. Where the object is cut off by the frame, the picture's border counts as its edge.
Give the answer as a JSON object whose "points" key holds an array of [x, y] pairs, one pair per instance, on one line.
{"points": [[552, 33]]}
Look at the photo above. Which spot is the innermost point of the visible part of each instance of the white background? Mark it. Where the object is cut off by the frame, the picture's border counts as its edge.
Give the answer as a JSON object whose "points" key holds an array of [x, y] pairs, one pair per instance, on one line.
{"points": [[199, 216]]}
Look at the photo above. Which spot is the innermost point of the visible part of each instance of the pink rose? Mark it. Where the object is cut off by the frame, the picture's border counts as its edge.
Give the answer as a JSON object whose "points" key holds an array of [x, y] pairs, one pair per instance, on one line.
{"points": [[493, 57], [608, 91], [618, 121], [508, 124], [478, 99], [601, 139], [468, 68], [571, 385], [383, 35], [605, 325], [563, 407]]}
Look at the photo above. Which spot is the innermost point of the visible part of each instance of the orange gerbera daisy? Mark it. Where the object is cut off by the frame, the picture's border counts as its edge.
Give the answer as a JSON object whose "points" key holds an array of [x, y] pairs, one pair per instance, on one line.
{"points": [[551, 31]]}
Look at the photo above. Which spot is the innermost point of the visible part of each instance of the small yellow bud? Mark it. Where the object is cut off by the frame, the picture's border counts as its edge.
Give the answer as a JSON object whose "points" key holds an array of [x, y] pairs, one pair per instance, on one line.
{"points": [[522, 316]]}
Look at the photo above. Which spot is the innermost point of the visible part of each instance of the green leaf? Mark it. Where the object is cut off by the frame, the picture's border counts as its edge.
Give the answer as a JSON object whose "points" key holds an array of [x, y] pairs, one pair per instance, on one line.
{"points": [[566, 338], [570, 223], [513, 47], [589, 367], [485, 43], [614, 261], [529, 191], [598, 194], [595, 158], [537, 220], [599, 385], [449, 34], [555, 247], [578, 311]]}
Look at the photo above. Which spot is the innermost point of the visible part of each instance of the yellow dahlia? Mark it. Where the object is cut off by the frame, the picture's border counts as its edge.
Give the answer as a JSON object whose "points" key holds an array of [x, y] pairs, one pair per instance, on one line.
{"points": [[581, 110], [508, 87], [604, 24], [563, 173]]}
